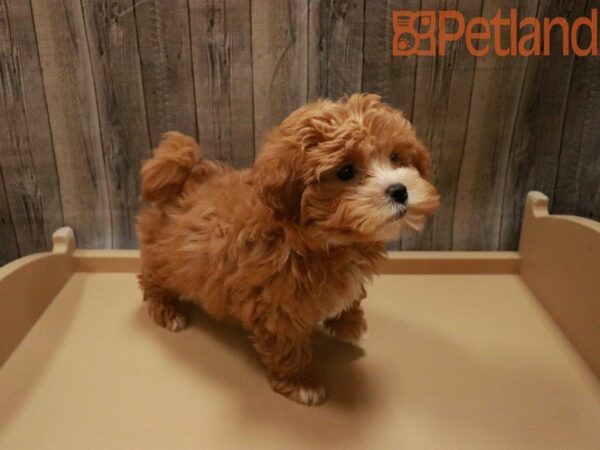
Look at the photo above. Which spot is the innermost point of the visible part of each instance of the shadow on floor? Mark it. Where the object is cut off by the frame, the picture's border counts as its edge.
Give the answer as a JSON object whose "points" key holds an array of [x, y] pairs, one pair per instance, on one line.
{"points": [[224, 353]]}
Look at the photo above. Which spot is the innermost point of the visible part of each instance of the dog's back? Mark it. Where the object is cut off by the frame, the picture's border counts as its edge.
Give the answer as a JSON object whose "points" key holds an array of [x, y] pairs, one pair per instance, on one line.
{"points": [[191, 217]]}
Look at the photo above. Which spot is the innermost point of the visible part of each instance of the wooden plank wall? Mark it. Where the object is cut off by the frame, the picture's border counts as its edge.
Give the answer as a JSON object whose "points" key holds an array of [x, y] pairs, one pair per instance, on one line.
{"points": [[88, 86]]}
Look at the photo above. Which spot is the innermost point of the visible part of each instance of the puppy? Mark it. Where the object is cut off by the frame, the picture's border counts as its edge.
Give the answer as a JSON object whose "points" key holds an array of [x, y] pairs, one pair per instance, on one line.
{"points": [[290, 242]]}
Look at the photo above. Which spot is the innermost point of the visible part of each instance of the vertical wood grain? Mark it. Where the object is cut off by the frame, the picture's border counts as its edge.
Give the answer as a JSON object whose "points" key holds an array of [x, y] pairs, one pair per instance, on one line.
{"points": [[443, 87], [111, 32], [165, 51], [494, 104], [9, 247], [577, 189], [73, 111], [88, 86], [534, 154], [279, 61], [335, 48], [26, 151], [222, 61], [391, 77]]}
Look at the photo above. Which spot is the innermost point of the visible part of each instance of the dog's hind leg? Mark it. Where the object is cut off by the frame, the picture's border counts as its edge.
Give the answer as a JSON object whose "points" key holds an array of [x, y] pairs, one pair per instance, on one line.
{"points": [[163, 307]]}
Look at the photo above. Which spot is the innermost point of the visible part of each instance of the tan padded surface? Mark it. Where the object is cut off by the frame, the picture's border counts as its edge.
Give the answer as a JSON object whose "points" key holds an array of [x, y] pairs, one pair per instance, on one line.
{"points": [[452, 362]]}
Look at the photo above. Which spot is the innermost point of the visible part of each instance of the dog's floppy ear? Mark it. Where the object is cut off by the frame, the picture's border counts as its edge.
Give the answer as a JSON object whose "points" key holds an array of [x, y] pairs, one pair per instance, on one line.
{"points": [[421, 158], [278, 170], [277, 173]]}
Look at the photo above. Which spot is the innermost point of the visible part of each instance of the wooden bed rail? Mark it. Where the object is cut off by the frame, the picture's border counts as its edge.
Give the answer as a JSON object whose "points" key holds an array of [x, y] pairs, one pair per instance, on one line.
{"points": [[561, 265]]}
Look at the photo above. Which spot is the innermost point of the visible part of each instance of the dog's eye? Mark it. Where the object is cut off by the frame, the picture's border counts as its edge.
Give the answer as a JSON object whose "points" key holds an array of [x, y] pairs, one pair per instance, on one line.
{"points": [[346, 173], [394, 158]]}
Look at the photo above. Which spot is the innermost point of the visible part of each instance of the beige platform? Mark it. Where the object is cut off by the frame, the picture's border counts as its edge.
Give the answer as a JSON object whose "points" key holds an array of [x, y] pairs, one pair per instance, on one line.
{"points": [[466, 351]]}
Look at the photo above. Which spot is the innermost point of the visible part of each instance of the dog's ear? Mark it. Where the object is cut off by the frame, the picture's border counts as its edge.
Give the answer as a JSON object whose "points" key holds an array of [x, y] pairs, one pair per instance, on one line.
{"points": [[277, 173], [279, 168], [421, 158]]}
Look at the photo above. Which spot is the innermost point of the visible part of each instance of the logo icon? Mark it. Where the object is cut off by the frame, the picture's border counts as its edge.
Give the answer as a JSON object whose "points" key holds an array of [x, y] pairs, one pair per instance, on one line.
{"points": [[414, 33]]}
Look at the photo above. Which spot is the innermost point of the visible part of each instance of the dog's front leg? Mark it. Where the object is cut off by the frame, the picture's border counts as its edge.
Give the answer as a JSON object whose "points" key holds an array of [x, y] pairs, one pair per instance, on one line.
{"points": [[287, 356], [350, 325]]}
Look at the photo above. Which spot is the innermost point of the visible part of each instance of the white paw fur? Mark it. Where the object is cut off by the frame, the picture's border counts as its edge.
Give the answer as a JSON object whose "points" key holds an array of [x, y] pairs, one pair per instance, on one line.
{"points": [[310, 396], [177, 323]]}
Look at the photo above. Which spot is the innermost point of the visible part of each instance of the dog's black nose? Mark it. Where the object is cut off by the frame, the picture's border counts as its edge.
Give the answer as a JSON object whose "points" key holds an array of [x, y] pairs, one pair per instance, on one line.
{"points": [[398, 192]]}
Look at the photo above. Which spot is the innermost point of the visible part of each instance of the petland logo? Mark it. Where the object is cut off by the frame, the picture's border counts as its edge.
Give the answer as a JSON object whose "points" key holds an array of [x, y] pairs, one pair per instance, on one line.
{"points": [[426, 33]]}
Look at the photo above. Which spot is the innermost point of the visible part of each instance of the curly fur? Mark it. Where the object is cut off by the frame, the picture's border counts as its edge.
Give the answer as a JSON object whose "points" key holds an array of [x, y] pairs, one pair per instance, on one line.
{"points": [[284, 245]]}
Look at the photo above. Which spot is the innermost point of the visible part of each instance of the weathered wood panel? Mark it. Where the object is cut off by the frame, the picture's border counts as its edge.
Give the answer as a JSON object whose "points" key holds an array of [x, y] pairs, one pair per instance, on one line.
{"points": [[534, 154], [222, 60], [494, 103], [73, 111], [577, 188], [164, 44], [443, 87], [81, 105], [335, 48], [391, 77], [9, 248], [26, 151], [112, 39], [279, 61]]}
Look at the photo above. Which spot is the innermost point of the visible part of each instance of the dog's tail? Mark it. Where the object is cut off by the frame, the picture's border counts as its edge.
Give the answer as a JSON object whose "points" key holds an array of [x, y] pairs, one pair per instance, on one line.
{"points": [[164, 175]]}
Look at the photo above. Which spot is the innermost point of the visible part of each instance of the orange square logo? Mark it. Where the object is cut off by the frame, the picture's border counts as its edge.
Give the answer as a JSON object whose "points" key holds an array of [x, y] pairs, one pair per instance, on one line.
{"points": [[414, 33]]}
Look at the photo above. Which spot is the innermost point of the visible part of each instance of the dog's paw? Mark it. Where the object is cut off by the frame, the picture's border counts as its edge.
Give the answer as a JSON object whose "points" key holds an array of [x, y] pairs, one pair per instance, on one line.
{"points": [[347, 330], [307, 390], [311, 396], [176, 323], [168, 316]]}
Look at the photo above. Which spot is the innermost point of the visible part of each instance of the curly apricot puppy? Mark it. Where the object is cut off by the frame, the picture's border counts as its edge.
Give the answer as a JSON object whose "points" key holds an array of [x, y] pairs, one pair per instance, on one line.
{"points": [[288, 243]]}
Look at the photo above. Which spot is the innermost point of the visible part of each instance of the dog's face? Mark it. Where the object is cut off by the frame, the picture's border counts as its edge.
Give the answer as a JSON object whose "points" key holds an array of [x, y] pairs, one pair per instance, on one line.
{"points": [[348, 171]]}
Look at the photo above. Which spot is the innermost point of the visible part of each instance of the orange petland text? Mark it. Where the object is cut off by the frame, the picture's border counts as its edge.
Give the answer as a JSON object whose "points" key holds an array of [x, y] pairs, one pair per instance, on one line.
{"points": [[427, 33]]}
